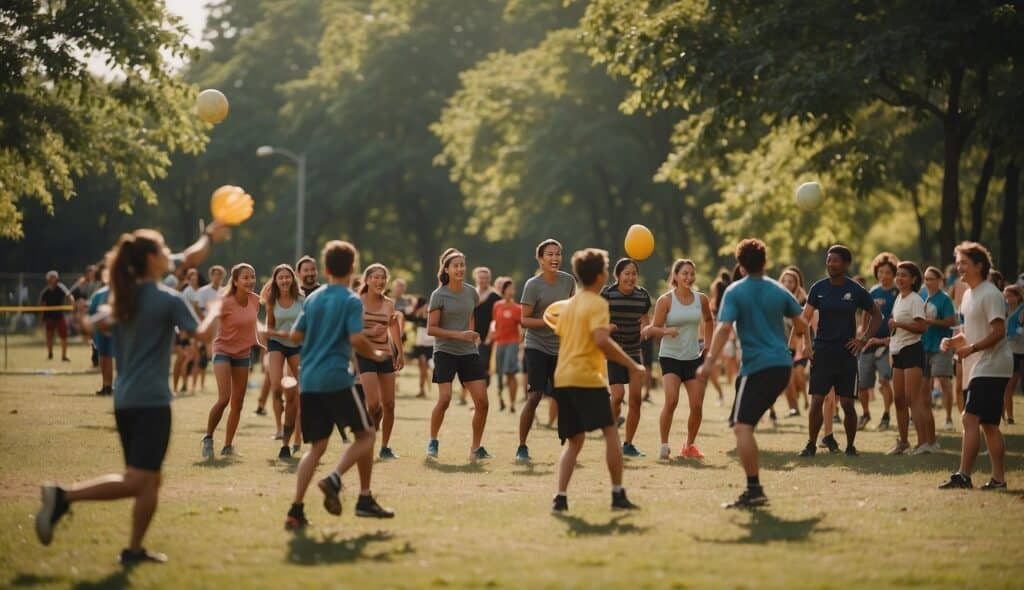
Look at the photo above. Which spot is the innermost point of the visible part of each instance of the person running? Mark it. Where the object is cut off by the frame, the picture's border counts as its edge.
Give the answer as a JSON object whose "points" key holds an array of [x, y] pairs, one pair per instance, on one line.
{"points": [[483, 315], [329, 329], [874, 359], [305, 267], [906, 325], [630, 307], [55, 295], [581, 384], [1014, 296], [142, 321], [833, 353], [284, 303], [679, 316], [541, 343], [103, 343], [450, 322], [232, 348], [757, 306], [423, 346], [505, 337], [940, 317], [987, 362], [207, 294], [381, 324]]}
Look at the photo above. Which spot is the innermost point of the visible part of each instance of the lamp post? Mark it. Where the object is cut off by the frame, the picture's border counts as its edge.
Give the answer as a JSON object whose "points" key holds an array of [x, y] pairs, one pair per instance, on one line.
{"points": [[300, 215]]}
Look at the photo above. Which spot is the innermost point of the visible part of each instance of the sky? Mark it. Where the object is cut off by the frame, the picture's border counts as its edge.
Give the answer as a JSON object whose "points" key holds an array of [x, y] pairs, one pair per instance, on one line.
{"points": [[193, 12]]}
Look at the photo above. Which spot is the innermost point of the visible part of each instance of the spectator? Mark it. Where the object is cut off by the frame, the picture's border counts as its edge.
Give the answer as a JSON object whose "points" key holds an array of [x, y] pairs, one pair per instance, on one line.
{"points": [[54, 295]]}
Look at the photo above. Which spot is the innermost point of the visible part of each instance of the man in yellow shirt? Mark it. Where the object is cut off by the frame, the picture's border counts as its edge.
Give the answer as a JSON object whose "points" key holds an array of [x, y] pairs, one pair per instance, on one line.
{"points": [[581, 383]]}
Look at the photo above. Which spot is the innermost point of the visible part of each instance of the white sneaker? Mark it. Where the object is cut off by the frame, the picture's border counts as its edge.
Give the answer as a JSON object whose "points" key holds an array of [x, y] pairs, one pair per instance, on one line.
{"points": [[665, 453], [936, 447], [922, 449], [949, 426]]}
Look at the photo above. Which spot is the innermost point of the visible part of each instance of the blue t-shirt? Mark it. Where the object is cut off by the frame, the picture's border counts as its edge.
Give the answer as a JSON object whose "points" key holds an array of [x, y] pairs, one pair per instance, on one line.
{"points": [[99, 298], [330, 316], [142, 346], [1013, 322], [937, 307], [837, 307], [885, 298], [758, 306]]}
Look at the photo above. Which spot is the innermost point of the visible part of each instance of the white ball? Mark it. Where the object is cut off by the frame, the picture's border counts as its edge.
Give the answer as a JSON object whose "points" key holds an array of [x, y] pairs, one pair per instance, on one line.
{"points": [[809, 195], [212, 105]]}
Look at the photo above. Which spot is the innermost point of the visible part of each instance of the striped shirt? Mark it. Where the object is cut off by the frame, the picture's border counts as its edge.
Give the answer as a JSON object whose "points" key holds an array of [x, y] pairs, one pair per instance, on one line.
{"points": [[626, 311], [372, 319]]}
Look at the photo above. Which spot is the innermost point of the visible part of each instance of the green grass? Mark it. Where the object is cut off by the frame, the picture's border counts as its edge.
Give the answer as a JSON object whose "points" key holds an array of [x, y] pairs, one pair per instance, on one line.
{"points": [[868, 522]]}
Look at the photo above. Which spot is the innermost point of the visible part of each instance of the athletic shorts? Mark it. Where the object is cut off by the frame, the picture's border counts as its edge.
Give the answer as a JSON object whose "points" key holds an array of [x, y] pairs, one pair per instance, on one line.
{"points": [[104, 344], [422, 352], [984, 398], [685, 370], [618, 374], [938, 364], [506, 359], [366, 365], [144, 434], [287, 351], [833, 369], [871, 362], [468, 367], [909, 357], [1018, 363], [582, 409], [540, 371], [323, 412], [647, 352], [57, 325], [756, 393], [220, 357]]}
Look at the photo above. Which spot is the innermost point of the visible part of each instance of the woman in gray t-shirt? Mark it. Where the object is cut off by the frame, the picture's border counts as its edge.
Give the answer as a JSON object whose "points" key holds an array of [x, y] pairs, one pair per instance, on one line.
{"points": [[450, 322]]}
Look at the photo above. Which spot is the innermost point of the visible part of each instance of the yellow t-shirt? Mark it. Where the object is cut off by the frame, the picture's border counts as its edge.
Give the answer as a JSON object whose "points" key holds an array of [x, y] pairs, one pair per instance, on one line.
{"points": [[580, 362]]}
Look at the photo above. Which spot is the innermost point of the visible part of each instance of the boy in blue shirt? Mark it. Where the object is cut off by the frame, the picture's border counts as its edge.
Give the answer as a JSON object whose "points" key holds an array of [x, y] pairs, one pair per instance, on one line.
{"points": [[757, 306], [330, 327], [874, 358]]}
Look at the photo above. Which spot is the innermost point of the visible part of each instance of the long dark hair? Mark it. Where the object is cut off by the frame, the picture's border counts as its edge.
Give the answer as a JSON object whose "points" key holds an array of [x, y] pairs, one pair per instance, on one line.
{"points": [[915, 274], [128, 262], [446, 259], [236, 271], [364, 287], [271, 292]]}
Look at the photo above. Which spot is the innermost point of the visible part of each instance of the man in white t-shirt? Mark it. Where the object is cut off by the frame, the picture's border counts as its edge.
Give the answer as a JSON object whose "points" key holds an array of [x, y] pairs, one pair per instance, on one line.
{"points": [[209, 292], [987, 365]]}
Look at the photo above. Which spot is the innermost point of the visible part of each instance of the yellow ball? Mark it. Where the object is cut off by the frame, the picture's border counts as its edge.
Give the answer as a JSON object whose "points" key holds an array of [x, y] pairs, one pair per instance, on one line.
{"points": [[231, 205], [809, 195], [639, 242], [212, 105], [553, 312]]}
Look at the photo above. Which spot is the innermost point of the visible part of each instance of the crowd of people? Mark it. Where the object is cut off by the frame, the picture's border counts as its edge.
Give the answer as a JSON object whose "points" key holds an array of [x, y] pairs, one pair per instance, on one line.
{"points": [[331, 353]]}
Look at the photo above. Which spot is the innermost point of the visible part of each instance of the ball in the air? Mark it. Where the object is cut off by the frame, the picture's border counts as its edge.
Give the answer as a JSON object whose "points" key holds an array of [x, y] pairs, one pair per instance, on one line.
{"points": [[212, 105], [809, 195], [639, 242]]}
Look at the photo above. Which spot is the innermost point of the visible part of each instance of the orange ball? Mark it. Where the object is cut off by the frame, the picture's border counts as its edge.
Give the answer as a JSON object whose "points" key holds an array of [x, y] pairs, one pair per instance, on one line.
{"points": [[639, 242]]}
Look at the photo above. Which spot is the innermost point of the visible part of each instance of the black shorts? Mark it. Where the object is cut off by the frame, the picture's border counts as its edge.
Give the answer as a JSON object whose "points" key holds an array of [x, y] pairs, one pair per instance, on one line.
{"points": [[422, 352], [618, 374], [484, 350], [144, 433], [833, 369], [322, 412], [366, 365], [1018, 363], [685, 370], [468, 367], [984, 397], [582, 409], [647, 352], [540, 371], [182, 340], [756, 393], [909, 357], [287, 351]]}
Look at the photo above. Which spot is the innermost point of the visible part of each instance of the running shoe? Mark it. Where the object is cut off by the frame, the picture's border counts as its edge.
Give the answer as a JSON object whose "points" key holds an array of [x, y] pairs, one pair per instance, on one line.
{"points": [[900, 448], [207, 447], [54, 507], [949, 426], [620, 421], [665, 452], [432, 448], [228, 451], [279, 436], [863, 421], [1010, 421], [621, 502], [936, 447], [501, 404], [284, 453], [331, 487], [367, 507], [851, 451], [522, 454], [261, 411], [129, 557], [922, 449], [748, 499], [793, 413], [387, 453], [809, 450], [957, 481], [994, 484], [830, 444], [691, 452], [773, 417], [479, 454], [628, 450], [883, 424], [296, 518], [559, 504]]}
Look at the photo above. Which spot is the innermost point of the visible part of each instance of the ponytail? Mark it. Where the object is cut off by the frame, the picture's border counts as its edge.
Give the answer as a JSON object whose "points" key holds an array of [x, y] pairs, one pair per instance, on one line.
{"points": [[446, 259], [364, 287], [127, 264]]}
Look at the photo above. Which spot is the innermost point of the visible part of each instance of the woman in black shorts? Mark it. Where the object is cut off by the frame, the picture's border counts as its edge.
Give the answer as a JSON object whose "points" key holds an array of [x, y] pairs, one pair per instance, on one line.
{"points": [[383, 330], [906, 326]]}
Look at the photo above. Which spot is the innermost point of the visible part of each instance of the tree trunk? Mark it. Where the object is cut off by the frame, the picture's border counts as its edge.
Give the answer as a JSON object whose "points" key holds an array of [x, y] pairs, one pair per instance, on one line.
{"points": [[953, 142], [981, 193], [924, 242], [1009, 246]]}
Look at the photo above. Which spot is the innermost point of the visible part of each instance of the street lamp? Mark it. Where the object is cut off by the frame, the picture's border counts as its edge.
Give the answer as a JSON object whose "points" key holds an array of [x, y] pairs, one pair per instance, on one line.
{"points": [[300, 216]]}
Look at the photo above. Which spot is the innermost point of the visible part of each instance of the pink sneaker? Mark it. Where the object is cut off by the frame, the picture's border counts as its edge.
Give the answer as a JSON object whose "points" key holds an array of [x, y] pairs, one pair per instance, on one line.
{"points": [[691, 452]]}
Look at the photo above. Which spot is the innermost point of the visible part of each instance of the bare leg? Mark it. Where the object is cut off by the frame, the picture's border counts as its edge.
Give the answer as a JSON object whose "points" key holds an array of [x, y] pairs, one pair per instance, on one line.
{"points": [[444, 399], [222, 371], [671, 382], [887, 393], [618, 391], [364, 460], [746, 447], [478, 391], [239, 380], [387, 401], [996, 450], [815, 417], [829, 412], [635, 402], [513, 386], [900, 400], [947, 397], [695, 393], [552, 412], [307, 466], [144, 509], [613, 453], [567, 463], [107, 370], [849, 419], [971, 443], [526, 416]]}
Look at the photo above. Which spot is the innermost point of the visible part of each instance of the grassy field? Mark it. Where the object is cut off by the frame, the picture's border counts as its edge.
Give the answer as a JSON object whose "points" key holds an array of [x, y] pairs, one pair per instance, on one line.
{"points": [[834, 522]]}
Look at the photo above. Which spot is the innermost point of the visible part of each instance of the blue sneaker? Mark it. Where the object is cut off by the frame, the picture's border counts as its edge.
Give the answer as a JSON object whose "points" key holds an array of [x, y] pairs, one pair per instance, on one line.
{"points": [[432, 448], [628, 450], [479, 454], [387, 453], [522, 454]]}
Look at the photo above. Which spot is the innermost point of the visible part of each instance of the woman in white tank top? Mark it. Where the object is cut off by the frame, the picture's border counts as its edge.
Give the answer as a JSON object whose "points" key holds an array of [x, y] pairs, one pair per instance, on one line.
{"points": [[679, 316]]}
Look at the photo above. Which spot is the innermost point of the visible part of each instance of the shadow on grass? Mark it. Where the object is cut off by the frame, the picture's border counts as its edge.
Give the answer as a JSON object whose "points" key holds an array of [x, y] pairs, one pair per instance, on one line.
{"points": [[471, 467], [331, 550], [24, 580], [411, 418], [215, 463], [530, 470], [693, 464], [286, 466], [115, 579], [101, 427], [764, 527], [578, 527]]}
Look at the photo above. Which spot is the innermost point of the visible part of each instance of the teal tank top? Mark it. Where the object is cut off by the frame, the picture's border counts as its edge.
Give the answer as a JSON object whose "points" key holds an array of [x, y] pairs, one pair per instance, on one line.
{"points": [[285, 318]]}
